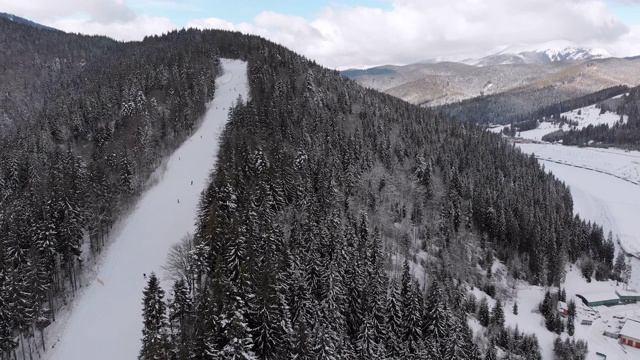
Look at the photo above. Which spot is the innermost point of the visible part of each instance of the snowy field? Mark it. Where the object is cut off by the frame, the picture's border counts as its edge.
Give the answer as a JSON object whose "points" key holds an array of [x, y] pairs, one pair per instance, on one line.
{"points": [[589, 115], [106, 318], [603, 190], [619, 163]]}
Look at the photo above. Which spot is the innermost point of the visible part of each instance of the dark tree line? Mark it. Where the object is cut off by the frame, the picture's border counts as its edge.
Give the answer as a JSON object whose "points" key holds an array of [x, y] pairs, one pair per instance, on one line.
{"points": [[524, 105]]}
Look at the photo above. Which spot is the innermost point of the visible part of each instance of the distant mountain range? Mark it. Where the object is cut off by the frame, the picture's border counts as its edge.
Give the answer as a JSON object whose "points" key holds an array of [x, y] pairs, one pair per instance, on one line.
{"points": [[559, 50], [560, 68]]}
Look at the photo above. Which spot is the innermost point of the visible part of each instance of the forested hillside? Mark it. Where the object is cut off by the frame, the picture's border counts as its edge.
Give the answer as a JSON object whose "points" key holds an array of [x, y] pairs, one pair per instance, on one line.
{"points": [[523, 104], [339, 223], [344, 223], [625, 135]]}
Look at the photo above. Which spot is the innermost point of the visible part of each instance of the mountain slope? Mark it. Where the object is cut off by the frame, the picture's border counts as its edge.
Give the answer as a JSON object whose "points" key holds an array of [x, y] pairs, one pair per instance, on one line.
{"points": [[105, 320], [620, 134], [24, 21], [339, 222], [443, 83]]}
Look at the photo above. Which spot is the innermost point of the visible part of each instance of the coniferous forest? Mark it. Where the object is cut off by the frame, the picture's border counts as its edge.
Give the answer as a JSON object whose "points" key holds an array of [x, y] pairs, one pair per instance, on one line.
{"points": [[521, 105], [339, 222]]}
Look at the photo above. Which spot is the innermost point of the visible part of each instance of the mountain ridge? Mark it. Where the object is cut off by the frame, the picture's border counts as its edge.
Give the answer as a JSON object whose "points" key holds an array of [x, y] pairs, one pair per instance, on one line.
{"points": [[24, 21], [551, 51]]}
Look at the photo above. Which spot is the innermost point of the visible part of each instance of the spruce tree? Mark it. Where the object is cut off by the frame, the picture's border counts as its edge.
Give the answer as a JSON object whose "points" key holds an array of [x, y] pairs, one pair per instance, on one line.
{"points": [[437, 319], [155, 342], [497, 314], [180, 319], [483, 312], [490, 353], [205, 326], [571, 325], [572, 307], [394, 321]]}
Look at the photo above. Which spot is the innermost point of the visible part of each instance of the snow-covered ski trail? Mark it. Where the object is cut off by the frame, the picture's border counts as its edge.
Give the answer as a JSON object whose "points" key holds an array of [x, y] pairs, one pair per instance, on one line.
{"points": [[106, 320]]}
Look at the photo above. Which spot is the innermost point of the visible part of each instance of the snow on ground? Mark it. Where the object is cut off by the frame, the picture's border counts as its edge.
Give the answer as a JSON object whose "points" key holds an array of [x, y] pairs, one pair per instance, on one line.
{"points": [[608, 319], [528, 319], [543, 129], [603, 192], [589, 115], [616, 162], [106, 320]]}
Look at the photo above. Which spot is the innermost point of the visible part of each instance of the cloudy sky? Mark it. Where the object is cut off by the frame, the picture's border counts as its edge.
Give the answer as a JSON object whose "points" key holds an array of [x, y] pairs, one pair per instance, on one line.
{"points": [[359, 33]]}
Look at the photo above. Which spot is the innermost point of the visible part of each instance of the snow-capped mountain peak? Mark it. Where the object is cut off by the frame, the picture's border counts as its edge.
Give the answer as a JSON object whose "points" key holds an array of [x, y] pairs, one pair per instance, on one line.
{"points": [[557, 50]]}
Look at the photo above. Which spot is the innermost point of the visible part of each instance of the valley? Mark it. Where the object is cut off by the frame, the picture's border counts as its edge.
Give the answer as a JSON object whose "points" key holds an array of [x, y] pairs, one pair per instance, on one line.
{"points": [[448, 82]]}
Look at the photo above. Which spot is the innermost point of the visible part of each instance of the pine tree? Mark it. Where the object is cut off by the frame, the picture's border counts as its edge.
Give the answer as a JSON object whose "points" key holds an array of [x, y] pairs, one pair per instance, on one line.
{"points": [[619, 266], [572, 307], [155, 342], [490, 353], [7, 340], [558, 324], [394, 321], [497, 315], [180, 319], [126, 179], [437, 316], [367, 345], [515, 308], [546, 307], [239, 342], [266, 317], [412, 331], [205, 328], [571, 325], [483, 312]]}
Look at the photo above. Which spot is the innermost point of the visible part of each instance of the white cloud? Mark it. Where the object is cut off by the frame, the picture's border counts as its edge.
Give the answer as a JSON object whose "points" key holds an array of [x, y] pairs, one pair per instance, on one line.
{"points": [[626, 45], [342, 36], [112, 18], [102, 11], [415, 30], [136, 29]]}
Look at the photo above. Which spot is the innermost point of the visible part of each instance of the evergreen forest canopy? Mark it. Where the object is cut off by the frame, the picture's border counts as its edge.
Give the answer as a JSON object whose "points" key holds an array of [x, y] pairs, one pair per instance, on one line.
{"points": [[339, 222]]}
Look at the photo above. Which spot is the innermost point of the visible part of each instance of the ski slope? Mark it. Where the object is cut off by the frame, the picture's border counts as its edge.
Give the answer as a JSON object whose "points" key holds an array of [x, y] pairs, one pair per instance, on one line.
{"points": [[106, 321]]}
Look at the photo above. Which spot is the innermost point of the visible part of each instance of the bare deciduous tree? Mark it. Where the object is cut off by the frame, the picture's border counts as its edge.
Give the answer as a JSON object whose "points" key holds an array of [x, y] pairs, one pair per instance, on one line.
{"points": [[178, 265]]}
